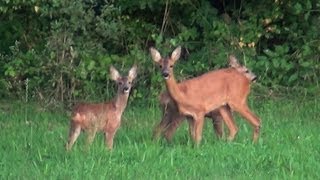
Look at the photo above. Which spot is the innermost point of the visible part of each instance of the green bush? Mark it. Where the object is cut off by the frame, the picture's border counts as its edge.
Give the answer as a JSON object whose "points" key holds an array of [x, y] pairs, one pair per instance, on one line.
{"points": [[64, 48]]}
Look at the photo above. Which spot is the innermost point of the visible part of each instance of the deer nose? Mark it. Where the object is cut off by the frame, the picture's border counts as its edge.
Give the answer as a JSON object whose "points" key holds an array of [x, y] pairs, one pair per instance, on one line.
{"points": [[126, 89], [165, 74], [254, 78]]}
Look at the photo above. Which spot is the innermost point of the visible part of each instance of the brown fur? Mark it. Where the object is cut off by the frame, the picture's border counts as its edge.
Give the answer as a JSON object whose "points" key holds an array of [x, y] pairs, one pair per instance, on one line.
{"points": [[105, 117], [172, 119], [210, 91]]}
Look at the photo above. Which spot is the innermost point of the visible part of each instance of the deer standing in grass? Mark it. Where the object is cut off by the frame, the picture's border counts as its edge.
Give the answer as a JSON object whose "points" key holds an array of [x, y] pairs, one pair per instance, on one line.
{"points": [[172, 119], [104, 117], [213, 90]]}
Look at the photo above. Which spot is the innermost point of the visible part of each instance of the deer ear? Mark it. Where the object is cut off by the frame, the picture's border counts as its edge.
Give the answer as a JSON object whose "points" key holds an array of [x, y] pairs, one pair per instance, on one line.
{"points": [[155, 54], [233, 62], [176, 54], [114, 74], [133, 72]]}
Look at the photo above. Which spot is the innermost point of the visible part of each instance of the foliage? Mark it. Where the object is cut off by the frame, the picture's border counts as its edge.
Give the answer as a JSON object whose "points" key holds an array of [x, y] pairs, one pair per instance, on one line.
{"points": [[64, 48]]}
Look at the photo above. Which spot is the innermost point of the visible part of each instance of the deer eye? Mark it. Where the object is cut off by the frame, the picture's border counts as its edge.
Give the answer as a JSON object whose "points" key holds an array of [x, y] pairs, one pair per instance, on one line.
{"points": [[171, 66], [160, 66]]}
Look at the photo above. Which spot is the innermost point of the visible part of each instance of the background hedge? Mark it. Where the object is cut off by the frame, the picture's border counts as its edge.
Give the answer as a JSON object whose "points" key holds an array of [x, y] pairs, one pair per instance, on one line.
{"points": [[61, 50]]}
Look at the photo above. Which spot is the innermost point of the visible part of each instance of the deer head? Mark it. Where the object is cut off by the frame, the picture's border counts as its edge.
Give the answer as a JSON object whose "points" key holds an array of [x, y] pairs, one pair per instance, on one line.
{"points": [[165, 64], [233, 62], [124, 82]]}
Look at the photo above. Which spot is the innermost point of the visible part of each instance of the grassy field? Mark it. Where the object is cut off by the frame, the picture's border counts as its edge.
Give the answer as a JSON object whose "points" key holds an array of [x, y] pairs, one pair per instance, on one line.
{"points": [[32, 142]]}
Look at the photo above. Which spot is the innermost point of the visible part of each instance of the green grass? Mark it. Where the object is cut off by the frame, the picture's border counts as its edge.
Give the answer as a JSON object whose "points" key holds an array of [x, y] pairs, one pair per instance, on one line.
{"points": [[32, 146]]}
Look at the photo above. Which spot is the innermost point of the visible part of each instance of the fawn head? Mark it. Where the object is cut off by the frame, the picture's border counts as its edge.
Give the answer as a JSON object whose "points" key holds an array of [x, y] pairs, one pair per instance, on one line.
{"points": [[233, 62], [124, 82], [165, 64]]}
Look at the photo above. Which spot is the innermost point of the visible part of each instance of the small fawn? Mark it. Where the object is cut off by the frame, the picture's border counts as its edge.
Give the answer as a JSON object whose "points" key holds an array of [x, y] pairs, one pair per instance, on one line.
{"points": [[172, 119], [104, 117], [213, 90]]}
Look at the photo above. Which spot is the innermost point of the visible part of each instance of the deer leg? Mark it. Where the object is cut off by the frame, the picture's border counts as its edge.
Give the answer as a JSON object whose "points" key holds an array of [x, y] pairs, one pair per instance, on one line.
{"points": [[167, 113], [175, 122], [227, 117], [198, 126], [161, 126], [74, 133], [250, 117], [109, 139], [90, 136], [217, 123], [191, 127]]}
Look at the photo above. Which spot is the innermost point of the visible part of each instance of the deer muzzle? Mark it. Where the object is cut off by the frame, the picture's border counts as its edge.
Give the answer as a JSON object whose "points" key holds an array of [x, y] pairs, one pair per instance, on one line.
{"points": [[165, 74]]}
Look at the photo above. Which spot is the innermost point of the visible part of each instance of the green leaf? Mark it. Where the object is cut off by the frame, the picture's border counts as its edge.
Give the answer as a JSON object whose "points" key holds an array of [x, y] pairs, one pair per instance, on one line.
{"points": [[293, 78], [306, 64], [91, 65], [297, 8]]}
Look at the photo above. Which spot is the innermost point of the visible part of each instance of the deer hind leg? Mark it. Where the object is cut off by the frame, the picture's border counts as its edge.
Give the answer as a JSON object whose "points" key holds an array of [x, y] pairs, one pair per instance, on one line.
{"points": [[165, 122], [244, 110], [216, 123], [158, 130], [228, 119], [174, 123], [74, 133]]}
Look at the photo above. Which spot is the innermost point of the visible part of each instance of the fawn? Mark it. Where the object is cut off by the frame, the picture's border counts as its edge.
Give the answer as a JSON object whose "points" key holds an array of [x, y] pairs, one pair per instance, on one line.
{"points": [[213, 90], [172, 119], [105, 116]]}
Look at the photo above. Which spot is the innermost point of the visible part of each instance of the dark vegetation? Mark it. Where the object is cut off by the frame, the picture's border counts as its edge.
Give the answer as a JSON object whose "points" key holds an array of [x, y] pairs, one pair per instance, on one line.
{"points": [[61, 50]]}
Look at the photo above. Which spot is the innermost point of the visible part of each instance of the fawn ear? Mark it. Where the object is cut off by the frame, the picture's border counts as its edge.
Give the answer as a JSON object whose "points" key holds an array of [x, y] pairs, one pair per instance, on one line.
{"points": [[114, 74], [175, 55], [133, 72], [155, 54], [233, 62]]}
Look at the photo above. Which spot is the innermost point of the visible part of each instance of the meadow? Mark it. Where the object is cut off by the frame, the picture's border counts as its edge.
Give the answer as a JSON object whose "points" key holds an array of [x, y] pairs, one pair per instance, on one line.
{"points": [[32, 139]]}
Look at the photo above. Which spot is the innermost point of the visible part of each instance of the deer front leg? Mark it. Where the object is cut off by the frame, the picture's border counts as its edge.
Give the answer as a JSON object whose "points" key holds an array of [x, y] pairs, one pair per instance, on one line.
{"points": [[74, 133], [198, 126], [90, 136], [109, 139]]}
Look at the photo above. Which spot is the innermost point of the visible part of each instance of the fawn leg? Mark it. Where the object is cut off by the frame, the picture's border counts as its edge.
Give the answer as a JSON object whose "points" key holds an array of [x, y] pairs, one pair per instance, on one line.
{"points": [[227, 117], [74, 133], [244, 110]]}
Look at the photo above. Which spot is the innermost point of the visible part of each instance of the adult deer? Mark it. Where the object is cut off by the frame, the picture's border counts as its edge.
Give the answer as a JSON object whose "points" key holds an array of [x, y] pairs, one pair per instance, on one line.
{"points": [[213, 90], [172, 119], [104, 117]]}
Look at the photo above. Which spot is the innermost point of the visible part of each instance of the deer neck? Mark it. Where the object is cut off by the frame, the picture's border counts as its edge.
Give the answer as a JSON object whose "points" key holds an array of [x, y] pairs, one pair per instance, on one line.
{"points": [[121, 101], [174, 90]]}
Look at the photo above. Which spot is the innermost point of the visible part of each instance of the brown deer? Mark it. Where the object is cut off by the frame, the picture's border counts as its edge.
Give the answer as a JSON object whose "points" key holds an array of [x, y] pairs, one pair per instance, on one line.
{"points": [[213, 90], [104, 117], [172, 119]]}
